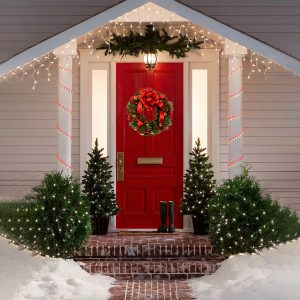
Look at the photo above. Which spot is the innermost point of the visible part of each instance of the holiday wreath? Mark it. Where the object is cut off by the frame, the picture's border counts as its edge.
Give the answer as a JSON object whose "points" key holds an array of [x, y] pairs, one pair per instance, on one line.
{"points": [[150, 100]]}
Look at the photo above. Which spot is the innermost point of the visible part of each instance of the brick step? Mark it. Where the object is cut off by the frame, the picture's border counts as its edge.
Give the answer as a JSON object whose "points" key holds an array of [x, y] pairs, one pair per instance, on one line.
{"points": [[152, 269], [112, 246]]}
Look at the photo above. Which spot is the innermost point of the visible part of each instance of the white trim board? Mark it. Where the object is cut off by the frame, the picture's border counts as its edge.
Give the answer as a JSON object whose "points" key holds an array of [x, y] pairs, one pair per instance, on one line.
{"points": [[194, 16]]}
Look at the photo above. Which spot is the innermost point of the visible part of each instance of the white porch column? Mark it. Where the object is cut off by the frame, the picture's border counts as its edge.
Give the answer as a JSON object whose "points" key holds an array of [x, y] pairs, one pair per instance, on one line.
{"points": [[235, 54], [65, 56]]}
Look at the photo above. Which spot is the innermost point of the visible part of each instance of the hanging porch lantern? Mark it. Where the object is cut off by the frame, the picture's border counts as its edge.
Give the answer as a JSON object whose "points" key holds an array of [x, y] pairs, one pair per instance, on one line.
{"points": [[150, 60]]}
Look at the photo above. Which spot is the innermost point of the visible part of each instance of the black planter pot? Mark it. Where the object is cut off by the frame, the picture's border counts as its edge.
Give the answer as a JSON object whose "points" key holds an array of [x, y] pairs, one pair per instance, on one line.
{"points": [[100, 225], [200, 224]]}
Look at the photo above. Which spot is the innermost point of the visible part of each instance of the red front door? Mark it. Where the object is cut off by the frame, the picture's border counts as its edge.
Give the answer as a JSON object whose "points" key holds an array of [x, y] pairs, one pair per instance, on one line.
{"points": [[144, 186]]}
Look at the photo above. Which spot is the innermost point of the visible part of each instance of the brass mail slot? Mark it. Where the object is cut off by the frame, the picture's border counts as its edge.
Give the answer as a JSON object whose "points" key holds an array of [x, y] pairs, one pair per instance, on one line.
{"points": [[149, 160]]}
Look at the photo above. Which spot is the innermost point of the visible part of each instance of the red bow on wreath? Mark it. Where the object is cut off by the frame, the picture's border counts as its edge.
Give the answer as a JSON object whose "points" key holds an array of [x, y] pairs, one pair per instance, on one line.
{"points": [[149, 98]]}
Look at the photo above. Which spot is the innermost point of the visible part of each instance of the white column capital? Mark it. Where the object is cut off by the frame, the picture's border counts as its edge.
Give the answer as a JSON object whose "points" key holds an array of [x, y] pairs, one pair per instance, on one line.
{"points": [[234, 49], [68, 49]]}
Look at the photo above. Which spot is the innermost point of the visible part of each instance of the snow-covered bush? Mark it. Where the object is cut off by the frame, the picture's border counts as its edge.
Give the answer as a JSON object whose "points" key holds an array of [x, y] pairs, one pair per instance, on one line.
{"points": [[54, 220], [244, 219]]}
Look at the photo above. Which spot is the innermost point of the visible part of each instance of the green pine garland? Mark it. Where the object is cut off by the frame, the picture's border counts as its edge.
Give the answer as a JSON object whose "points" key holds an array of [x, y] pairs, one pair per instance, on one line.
{"points": [[153, 41]]}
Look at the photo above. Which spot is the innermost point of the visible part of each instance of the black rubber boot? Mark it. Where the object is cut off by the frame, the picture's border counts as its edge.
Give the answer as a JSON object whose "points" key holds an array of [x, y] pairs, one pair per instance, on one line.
{"points": [[171, 228], [163, 217]]}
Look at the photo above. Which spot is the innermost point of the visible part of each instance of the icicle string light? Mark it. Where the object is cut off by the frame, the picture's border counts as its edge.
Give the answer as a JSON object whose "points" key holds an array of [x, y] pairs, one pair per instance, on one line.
{"points": [[258, 64], [104, 32], [34, 75]]}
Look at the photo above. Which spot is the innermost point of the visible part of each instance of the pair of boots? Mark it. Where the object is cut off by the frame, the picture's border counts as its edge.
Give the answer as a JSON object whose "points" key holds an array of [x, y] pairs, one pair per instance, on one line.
{"points": [[163, 217]]}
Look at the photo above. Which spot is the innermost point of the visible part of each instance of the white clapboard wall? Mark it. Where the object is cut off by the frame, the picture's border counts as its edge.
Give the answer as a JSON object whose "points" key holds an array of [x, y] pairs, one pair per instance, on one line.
{"points": [[28, 137], [271, 109]]}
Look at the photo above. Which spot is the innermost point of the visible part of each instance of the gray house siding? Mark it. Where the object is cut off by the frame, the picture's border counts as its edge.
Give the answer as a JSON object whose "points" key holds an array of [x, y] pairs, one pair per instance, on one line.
{"points": [[28, 137], [28, 22], [271, 110], [275, 22]]}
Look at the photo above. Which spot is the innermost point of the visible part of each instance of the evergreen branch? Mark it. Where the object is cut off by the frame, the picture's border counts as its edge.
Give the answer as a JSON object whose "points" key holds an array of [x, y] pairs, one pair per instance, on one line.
{"points": [[153, 41]]}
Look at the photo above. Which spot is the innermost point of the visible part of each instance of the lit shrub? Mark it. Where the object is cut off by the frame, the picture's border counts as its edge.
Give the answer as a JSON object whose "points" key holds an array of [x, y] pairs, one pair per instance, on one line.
{"points": [[243, 219], [54, 220]]}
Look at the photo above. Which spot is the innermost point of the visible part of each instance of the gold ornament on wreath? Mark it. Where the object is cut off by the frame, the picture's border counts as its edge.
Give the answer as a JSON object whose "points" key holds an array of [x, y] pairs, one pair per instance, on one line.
{"points": [[152, 101]]}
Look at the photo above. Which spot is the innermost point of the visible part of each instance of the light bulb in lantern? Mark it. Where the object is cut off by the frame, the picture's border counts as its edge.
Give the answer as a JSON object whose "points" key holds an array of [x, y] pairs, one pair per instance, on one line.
{"points": [[150, 60]]}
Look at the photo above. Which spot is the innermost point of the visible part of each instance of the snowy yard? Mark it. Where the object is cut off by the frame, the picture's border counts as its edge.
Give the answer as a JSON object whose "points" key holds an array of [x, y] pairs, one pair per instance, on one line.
{"points": [[272, 275], [24, 277]]}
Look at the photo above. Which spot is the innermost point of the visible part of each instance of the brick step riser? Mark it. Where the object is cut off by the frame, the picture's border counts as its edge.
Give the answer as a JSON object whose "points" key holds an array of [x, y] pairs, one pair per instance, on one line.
{"points": [[152, 270], [146, 259], [154, 276], [148, 251]]}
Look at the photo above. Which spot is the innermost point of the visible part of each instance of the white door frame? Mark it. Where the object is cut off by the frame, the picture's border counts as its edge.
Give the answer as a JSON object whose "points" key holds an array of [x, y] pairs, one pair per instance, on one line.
{"points": [[205, 58]]}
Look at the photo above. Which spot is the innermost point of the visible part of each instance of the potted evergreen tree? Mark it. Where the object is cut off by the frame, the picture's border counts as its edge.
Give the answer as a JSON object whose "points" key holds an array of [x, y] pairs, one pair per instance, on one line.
{"points": [[199, 188], [98, 186]]}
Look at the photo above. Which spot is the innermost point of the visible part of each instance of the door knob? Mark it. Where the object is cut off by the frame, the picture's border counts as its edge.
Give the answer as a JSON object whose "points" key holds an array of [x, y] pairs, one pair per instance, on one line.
{"points": [[120, 166]]}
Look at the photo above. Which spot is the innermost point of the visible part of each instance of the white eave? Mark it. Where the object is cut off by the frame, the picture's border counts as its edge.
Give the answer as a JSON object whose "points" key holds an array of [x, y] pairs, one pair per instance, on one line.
{"points": [[196, 17]]}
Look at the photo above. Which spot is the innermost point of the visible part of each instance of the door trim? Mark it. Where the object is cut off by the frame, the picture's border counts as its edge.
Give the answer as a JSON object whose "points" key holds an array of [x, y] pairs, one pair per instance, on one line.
{"points": [[205, 58]]}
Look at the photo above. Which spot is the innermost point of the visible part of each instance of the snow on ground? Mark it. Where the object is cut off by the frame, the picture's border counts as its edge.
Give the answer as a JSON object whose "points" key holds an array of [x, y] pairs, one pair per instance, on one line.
{"points": [[273, 274], [27, 277]]}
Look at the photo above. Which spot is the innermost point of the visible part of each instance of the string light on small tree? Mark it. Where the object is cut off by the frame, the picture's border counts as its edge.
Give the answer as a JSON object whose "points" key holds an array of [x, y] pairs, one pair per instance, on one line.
{"points": [[199, 188], [98, 186]]}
